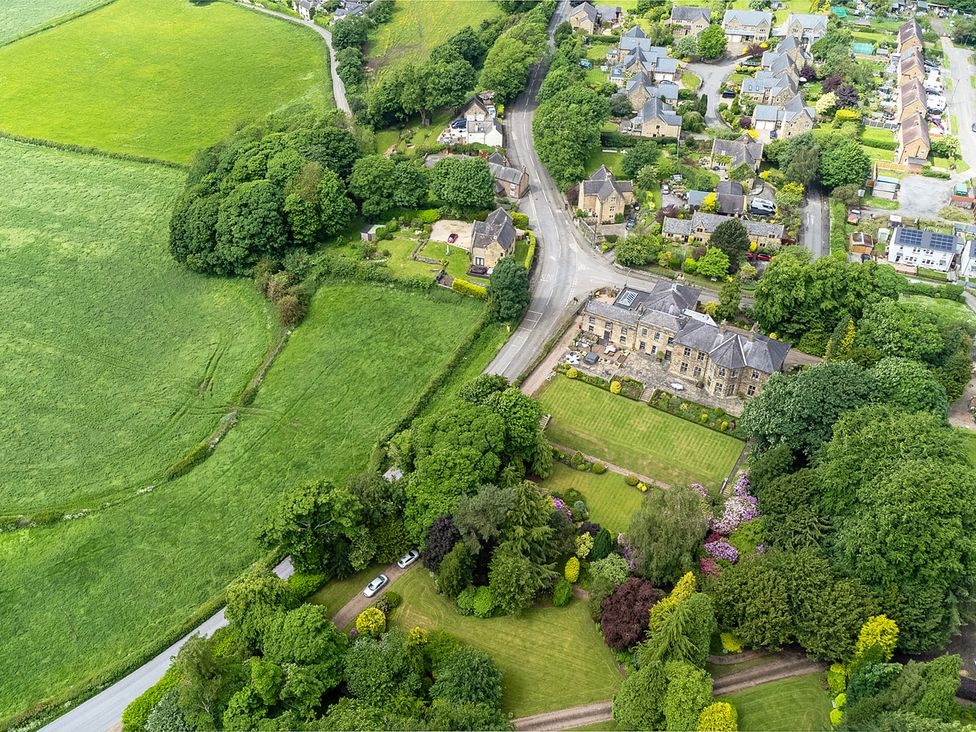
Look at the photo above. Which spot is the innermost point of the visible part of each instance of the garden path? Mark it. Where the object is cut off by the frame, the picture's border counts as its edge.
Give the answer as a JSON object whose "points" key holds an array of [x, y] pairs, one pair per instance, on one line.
{"points": [[611, 467], [356, 605]]}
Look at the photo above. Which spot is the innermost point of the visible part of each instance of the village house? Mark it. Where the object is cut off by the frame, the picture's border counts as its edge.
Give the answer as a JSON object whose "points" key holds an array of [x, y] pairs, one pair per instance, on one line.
{"points": [[781, 122], [729, 196], [604, 197], [655, 118], [745, 27], [912, 99], [728, 155], [348, 8], [913, 248], [700, 227], [806, 28], [509, 182], [492, 239], [911, 66], [477, 125], [640, 87], [592, 18], [910, 36], [689, 20], [913, 141], [306, 8], [768, 88], [653, 62], [780, 64], [662, 323]]}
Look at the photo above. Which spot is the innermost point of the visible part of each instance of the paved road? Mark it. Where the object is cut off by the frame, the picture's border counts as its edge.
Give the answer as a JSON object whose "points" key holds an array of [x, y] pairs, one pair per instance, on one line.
{"points": [[104, 710], [815, 229], [962, 98], [712, 76], [338, 88]]}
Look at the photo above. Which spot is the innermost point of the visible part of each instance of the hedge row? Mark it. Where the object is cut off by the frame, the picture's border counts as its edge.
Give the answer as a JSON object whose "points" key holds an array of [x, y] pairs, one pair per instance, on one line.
{"points": [[838, 230], [619, 139], [933, 173], [83, 150], [940, 292], [332, 267], [469, 288], [880, 144], [530, 254], [56, 22], [135, 716]]}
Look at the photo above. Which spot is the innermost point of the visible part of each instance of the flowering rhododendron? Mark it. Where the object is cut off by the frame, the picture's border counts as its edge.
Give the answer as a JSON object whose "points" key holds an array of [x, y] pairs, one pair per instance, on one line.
{"points": [[626, 552], [722, 550], [709, 566], [700, 490], [561, 506], [739, 507]]}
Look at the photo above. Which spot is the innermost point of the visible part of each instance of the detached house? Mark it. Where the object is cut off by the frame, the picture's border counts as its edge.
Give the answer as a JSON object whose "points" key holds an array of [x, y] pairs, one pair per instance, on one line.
{"points": [[745, 27], [807, 29], [700, 227], [767, 87], [793, 118], [591, 18], [726, 362], [640, 87], [653, 62], [729, 195], [492, 239], [306, 8], [689, 20], [730, 154], [656, 118], [604, 197], [509, 182], [478, 125]]}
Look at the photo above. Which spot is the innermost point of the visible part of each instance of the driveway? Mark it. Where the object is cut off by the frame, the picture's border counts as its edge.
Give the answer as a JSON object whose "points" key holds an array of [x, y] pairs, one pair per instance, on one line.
{"points": [[712, 76], [442, 230], [350, 611]]}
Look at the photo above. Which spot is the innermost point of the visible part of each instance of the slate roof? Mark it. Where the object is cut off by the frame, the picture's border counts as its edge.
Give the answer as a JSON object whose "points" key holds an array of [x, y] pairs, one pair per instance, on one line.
{"points": [[914, 128], [585, 9], [677, 227], [602, 184], [497, 227], [656, 108], [733, 348], [666, 89], [708, 222], [653, 58], [908, 31], [749, 18], [732, 187], [808, 21], [497, 158], [505, 173], [728, 203], [765, 113], [743, 150], [688, 14], [664, 306]]}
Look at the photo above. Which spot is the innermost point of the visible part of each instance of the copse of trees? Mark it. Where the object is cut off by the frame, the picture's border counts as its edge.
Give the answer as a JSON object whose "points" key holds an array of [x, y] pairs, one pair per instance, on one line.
{"points": [[506, 68], [264, 190]]}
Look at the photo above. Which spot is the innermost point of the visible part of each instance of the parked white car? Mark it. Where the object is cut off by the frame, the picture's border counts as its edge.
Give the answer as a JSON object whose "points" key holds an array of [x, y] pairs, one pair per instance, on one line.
{"points": [[407, 559], [376, 585], [677, 386], [572, 360]]}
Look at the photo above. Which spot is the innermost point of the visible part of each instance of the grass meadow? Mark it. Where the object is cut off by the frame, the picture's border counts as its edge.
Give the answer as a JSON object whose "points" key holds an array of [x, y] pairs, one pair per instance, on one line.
{"points": [[117, 359], [84, 595], [610, 501], [159, 78], [550, 657], [20, 16], [796, 703], [419, 25], [635, 436]]}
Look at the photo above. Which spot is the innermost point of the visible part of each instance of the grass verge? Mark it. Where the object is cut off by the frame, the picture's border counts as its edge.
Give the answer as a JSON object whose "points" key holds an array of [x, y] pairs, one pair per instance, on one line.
{"points": [[796, 703]]}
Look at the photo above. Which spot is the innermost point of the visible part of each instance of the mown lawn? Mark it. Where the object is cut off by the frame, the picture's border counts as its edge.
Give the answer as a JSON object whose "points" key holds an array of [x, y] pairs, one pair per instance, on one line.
{"points": [[419, 25], [160, 78], [550, 658], [117, 360], [949, 309], [799, 703], [84, 595], [612, 160], [21, 16], [334, 594], [779, 16], [610, 501], [635, 436]]}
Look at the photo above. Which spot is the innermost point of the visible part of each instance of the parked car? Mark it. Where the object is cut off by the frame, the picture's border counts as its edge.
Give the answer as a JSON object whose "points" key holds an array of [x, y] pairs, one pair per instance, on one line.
{"points": [[665, 188], [763, 257], [591, 358], [375, 585], [572, 360], [677, 386], [407, 559], [459, 124], [854, 216], [452, 238], [631, 223], [973, 126], [728, 94], [762, 207]]}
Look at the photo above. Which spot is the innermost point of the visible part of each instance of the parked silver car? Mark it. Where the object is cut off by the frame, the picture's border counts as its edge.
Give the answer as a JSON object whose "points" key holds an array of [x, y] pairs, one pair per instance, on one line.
{"points": [[375, 585], [407, 559]]}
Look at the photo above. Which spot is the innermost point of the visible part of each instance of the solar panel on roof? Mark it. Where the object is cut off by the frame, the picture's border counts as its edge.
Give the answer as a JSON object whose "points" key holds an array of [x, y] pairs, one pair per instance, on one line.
{"points": [[943, 242], [912, 237]]}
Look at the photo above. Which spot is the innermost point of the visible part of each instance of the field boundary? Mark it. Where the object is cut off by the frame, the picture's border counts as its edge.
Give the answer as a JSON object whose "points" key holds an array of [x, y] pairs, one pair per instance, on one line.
{"points": [[85, 150], [55, 22]]}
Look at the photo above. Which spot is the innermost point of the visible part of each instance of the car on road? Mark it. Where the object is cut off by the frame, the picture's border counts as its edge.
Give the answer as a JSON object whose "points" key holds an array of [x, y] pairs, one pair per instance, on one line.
{"points": [[591, 358], [452, 238], [407, 559], [375, 585], [677, 386]]}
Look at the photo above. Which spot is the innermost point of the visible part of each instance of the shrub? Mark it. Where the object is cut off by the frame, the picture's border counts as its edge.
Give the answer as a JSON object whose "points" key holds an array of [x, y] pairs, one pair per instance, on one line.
{"points": [[876, 640], [731, 644], [836, 716], [614, 387], [520, 220], [840, 700], [393, 599], [572, 373], [571, 573], [469, 289], [465, 600], [291, 310], [836, 678], [584, 545], [580, 512], [429, 215], [371, 622], [602, 545], [484, 602], [300, 585], [137, 713], [718, 717], [626, 613], [562, 593], [598, 468], [631, 480], [417, 635]]}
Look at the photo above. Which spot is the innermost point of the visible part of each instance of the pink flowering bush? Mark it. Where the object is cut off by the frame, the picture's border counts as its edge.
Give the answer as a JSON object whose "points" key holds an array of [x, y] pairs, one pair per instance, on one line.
{"points": [[561, 506], [709, 566], [739, 507], [700, 490]]}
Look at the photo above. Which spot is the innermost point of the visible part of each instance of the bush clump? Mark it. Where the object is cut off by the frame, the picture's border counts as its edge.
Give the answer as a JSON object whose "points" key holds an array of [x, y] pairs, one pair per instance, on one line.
{"points": [[484, 602], [571, 573], [631, 480], [562, 593], [598, 468], [371, 622]]}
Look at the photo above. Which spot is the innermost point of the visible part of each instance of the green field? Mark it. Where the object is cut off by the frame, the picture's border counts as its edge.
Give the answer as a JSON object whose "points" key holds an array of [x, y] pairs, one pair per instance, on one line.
{"points": [[635, 436], [799, 703], [550, 658], [610, 501], [160, 78], [20, 16], [117, 359], [85, 595], [419, 25]]}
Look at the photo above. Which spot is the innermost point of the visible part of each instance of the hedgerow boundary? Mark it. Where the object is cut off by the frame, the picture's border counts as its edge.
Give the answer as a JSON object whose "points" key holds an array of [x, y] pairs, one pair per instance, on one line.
{"points": [[55, 22], [86, 150]]}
